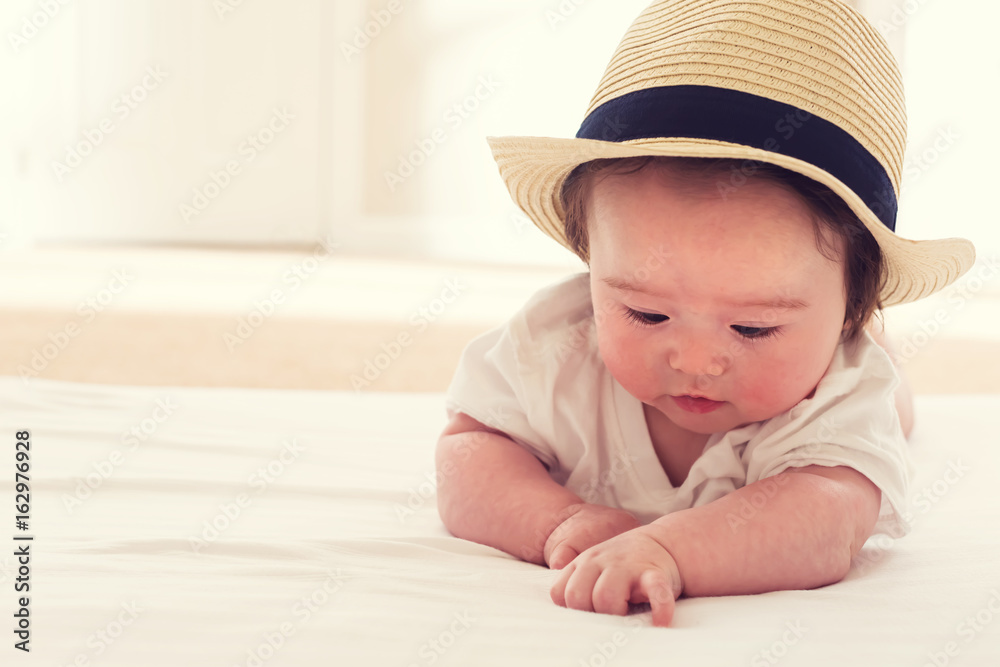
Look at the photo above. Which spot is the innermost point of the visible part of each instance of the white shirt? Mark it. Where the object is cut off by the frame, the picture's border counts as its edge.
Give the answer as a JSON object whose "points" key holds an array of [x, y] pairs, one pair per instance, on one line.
{"points": [[540, 379]]}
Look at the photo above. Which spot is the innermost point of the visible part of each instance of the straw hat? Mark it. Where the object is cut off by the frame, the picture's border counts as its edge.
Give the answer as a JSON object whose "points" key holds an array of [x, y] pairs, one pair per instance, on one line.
{"points": [[719, 78]]}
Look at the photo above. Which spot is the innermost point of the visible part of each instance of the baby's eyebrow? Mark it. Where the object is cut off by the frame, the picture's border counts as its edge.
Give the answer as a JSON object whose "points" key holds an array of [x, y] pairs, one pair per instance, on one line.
{"points": [[782, 303], [777, 303]]}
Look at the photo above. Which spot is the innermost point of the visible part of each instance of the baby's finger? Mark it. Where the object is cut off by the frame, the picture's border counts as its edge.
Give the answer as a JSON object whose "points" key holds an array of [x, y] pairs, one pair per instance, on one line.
{"points": [[558, 590], [579, 592], [562, 556], [653, 587], [612, 592]]}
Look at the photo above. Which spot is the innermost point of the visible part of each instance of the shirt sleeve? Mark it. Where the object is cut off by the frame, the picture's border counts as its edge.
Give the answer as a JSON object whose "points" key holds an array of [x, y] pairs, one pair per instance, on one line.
{"points": [[493, 386], [850, 421]]}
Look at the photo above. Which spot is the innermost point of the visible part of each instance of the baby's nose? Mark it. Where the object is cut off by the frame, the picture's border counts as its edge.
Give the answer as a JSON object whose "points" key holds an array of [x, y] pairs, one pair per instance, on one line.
{"points": [[698, 357]]}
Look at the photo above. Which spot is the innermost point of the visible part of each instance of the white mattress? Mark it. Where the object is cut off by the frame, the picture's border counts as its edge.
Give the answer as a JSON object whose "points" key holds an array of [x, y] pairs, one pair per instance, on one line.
{"points": [[351, 523]]}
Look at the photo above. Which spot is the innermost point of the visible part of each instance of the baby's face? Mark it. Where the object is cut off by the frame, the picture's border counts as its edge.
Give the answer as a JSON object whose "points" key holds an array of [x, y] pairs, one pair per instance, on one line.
{"points": [[734, 301]]}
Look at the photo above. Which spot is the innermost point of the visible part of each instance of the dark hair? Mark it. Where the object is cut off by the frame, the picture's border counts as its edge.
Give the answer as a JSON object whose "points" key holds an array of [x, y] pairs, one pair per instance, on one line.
{"points": [[863, 263]]}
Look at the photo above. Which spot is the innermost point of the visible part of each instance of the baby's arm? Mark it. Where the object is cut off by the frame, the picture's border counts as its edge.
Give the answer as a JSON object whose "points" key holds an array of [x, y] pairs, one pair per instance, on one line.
{"points": [[494, 492], [804, 536]]}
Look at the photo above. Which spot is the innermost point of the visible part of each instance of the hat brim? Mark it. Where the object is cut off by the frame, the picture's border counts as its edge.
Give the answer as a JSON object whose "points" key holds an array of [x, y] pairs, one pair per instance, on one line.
{"points": [[535, 168]]}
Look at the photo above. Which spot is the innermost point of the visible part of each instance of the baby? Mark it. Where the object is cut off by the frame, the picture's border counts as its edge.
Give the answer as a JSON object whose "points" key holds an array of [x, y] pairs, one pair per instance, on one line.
{"points": [[711, 409]]}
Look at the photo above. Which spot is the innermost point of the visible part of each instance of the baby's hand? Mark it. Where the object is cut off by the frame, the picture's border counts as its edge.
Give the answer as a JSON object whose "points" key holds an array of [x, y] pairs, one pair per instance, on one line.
{"points": [[631, 568], [589, 525]]}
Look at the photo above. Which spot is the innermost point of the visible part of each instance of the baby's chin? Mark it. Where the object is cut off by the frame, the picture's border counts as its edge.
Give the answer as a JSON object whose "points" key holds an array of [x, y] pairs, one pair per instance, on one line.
{"points": [[726, 417]]}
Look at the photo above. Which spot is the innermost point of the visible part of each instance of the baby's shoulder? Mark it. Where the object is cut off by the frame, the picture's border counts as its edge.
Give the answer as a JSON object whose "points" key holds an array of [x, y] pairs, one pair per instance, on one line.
{"points": [[556, 323], [858, 366]]}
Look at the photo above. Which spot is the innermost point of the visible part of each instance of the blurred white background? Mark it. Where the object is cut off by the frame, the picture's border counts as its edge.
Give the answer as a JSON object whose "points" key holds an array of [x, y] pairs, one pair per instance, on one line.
{"points": [[162, 134]]}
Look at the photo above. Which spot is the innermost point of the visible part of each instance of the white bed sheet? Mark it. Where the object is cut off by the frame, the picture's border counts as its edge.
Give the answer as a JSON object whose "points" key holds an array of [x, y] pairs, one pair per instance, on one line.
{"points": [[342, 559]]}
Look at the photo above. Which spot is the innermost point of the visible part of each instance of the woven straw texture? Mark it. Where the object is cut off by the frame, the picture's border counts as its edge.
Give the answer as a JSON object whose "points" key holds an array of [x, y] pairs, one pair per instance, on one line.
{"points": [[792, 52], [820, 56]]}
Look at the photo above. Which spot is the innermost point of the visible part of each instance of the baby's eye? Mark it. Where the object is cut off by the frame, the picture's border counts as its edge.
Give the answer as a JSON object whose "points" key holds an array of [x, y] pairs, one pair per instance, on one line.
{"points": [[755, 333], [644, 319]]}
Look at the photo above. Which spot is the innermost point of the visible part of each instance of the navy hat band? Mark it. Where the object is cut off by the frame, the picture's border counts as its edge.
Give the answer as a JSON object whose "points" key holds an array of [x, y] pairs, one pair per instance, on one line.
{"points": [[721, 114]]}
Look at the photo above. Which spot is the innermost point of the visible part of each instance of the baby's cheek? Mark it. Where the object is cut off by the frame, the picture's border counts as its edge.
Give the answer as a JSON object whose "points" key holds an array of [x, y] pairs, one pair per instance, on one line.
{"points": [[770, 390], [612, 351], [623, 358]]}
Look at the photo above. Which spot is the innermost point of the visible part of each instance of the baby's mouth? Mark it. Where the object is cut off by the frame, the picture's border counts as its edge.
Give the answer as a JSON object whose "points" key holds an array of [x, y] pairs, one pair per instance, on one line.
{"points": [[696, 404]]}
